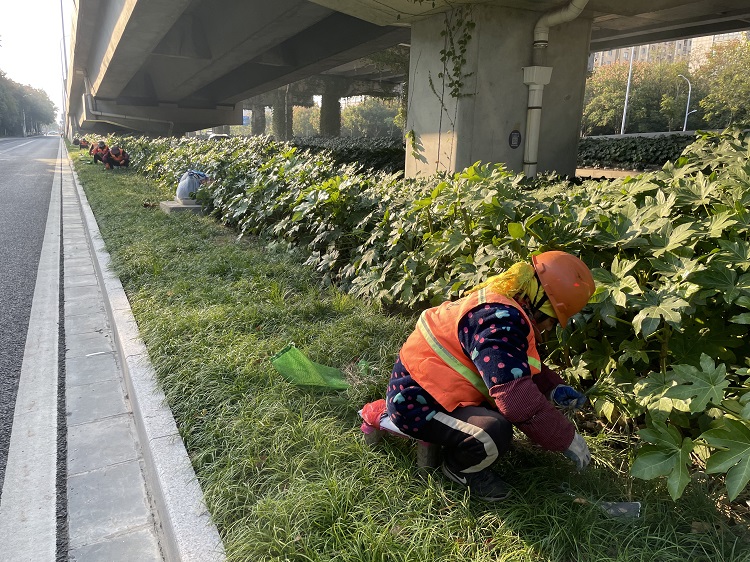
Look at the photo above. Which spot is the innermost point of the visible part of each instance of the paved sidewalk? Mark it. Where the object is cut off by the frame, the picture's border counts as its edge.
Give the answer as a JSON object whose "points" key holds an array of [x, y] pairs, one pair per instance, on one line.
{"points": [[110, 513], [132, 493]]}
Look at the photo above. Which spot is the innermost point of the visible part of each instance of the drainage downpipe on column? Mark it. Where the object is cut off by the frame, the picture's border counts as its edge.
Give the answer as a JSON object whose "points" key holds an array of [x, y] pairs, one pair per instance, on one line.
{"points": [[536, 77]]}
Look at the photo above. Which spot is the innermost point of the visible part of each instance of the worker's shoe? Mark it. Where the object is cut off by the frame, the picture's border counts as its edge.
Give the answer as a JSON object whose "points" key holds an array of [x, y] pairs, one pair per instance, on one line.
{"points": [[484, 485]]}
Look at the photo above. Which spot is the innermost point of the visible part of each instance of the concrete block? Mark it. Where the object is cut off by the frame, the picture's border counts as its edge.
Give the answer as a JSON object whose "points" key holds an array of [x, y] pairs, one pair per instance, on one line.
{"points": [[86, 323], [100, 444], [80, 345], [95, 401], [180, 207], [98, 367], [105, 502], [138, 545]]}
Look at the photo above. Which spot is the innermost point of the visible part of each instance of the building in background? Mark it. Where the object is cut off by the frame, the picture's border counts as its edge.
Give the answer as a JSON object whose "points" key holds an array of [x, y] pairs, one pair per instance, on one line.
{"points": [[703, 46], [694, 51], [669, 51]]}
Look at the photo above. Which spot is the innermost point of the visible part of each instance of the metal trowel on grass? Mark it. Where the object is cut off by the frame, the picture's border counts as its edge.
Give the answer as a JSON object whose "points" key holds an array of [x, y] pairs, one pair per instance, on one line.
{"points": [[624, 510]]}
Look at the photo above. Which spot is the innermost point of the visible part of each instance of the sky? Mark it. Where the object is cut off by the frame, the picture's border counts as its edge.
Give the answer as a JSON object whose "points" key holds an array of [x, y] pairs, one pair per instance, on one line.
{"points": [[30, 44]]}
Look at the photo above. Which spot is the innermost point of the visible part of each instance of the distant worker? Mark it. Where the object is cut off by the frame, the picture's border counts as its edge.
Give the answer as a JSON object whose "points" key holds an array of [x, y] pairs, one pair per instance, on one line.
{"points": [[83, 144], [98, 151], [116, 158], [190, 183]]}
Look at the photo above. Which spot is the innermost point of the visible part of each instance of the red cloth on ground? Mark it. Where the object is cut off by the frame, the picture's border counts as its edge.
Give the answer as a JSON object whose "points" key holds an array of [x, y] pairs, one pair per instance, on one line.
{"points": [[373, 411]]}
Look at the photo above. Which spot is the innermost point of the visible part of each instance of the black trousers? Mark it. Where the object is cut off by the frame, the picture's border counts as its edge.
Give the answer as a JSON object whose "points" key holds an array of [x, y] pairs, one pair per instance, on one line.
{"points": [[473, 437]]}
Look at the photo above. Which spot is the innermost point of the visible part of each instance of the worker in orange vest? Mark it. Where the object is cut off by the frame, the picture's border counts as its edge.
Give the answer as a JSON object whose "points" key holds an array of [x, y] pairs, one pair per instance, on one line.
{"points": [[471, 371], [116, 158], [99, 151]]}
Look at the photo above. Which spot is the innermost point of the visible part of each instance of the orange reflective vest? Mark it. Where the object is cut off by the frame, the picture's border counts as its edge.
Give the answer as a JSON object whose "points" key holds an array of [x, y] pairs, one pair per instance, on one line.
{"points": [[435, 359], [123, 155]]}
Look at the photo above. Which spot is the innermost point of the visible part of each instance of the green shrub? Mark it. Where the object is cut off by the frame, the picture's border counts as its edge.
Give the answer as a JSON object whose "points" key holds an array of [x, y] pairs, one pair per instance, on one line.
{"points": [[663, 345], [631, 152], [383, 154]]}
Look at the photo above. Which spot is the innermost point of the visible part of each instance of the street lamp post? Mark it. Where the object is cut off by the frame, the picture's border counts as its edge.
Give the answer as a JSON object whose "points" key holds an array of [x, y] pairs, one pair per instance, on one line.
{"points": [[627, 92], [687, 107]]}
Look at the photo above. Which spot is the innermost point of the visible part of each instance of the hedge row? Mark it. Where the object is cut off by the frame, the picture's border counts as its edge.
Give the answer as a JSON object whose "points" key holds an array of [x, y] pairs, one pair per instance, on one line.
{"points": [[638, 153]]}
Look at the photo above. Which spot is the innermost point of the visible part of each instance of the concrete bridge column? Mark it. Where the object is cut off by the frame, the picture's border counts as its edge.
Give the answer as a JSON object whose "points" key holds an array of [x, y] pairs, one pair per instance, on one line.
{"points": [[258, 119], [330, 106], [487, 120], [282, 118], [330, 115]]}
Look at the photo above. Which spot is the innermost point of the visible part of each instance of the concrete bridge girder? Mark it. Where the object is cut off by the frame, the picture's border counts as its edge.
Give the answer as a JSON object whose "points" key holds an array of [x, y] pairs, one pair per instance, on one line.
{"points": [[196, 59], [191, 61]]}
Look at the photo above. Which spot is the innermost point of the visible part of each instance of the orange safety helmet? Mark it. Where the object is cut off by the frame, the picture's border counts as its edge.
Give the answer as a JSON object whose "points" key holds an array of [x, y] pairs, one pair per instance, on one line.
{"points": [[567, 282]]}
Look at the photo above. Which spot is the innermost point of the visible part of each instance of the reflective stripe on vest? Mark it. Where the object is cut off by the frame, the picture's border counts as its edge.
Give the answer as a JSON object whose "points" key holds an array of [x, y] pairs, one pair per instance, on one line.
{"points": [[446, 353], [472, 377]]}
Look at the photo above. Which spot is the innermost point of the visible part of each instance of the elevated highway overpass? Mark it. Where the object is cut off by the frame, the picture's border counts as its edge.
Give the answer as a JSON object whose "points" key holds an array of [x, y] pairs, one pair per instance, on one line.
{"points": [[172, 66]]}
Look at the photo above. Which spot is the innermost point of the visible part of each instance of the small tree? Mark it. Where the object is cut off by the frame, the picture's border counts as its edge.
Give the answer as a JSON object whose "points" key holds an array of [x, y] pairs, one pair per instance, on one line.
{"points": [[605, 98], [306, 121], [726, 78], [658, 97], [373, 117]]}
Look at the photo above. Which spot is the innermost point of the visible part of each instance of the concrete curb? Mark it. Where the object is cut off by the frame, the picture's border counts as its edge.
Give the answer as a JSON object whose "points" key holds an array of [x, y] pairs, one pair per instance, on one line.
{"points": [[188, 532]]}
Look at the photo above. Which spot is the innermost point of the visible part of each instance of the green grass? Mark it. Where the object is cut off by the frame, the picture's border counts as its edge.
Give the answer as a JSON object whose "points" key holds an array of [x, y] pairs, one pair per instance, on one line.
{"points": [[285, 471]]}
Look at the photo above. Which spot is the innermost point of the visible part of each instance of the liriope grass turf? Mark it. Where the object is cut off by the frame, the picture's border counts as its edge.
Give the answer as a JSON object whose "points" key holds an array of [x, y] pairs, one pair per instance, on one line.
{"points": [[285, 471]]}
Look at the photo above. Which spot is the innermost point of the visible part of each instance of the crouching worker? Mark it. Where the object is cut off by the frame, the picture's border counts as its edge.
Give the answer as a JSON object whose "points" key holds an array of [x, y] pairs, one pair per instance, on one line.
{"points": [[99, 151], [190, 183], [471, 371], [116, 158]]}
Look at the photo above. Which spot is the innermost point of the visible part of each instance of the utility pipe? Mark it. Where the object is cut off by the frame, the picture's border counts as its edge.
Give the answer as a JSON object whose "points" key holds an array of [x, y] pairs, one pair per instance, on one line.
{"points": [[538, 76], [551, 19]]}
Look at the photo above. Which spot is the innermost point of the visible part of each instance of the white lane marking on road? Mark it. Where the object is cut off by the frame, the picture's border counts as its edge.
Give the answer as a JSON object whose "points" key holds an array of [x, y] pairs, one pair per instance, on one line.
{"points": [[17, 146], [27, 505]]}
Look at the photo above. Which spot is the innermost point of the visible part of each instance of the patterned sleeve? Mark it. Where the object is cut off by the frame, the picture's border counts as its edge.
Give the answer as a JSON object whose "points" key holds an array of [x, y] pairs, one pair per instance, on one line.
{"points": [[494, 337]]}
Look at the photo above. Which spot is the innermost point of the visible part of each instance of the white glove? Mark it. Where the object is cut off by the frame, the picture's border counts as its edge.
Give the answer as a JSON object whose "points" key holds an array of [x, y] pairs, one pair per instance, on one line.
{"points": [[578, 452]]}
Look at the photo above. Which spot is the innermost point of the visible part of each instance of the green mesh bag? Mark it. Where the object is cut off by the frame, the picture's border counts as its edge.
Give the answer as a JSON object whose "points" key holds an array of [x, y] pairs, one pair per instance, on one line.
{"points": [[296, 368]]}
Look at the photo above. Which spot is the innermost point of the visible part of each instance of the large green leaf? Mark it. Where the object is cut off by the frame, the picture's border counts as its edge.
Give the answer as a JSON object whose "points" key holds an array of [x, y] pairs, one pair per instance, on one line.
{"points": [[699, 386], [711, 335], [651, 393], [666, 454], [599, 354], [633, 350], [616, 283], [733, 456], [654, 307], [673, 238], [717, 224], [700, 192], [734, 254], [723, 280], [676, 267], [619, 231]]}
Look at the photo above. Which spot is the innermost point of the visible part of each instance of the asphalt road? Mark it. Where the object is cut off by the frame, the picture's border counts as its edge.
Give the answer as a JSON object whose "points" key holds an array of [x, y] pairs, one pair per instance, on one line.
{"points": [[27, 169]]}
